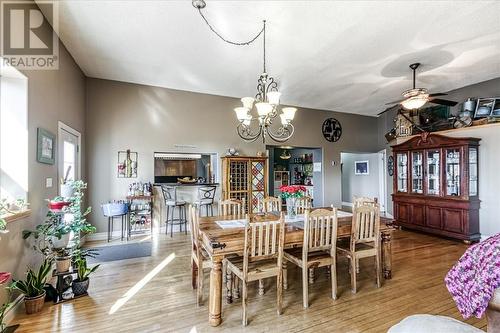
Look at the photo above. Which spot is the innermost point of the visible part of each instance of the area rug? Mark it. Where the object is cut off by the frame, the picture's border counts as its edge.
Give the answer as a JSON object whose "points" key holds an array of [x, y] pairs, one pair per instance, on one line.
{"points": [[121, 252]]}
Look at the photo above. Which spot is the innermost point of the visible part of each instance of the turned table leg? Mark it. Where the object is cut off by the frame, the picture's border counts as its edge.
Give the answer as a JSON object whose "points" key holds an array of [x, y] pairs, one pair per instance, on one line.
{"points": [[215, 302], [387, 255]]}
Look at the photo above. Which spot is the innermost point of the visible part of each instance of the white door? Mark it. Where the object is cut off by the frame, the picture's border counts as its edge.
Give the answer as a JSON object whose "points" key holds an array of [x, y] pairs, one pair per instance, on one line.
{"points": [[69, 153], [382, 183]]}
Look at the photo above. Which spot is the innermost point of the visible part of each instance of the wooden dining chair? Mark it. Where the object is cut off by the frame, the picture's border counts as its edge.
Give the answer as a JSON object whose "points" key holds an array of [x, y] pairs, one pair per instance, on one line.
{"points": [[359, 201], [318, 250], [270, 204], [262, 258], [199, 258], [232, 207], [302, 204], [364, 242]]}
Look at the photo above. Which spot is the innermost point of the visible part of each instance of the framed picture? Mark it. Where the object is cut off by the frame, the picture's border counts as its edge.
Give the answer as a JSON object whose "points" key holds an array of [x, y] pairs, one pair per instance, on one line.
{"points": [[46, 147], [496, 108], [361, 168], [484, 107]]}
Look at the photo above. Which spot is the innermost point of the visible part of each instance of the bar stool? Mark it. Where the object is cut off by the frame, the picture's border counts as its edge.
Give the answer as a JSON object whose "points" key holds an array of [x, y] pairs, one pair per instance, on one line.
{"points": [[206, 196], [171, 203]]}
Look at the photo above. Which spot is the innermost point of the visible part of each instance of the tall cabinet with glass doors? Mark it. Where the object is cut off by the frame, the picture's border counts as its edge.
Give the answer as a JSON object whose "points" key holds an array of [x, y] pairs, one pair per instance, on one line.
{"points": [[436, 185]]}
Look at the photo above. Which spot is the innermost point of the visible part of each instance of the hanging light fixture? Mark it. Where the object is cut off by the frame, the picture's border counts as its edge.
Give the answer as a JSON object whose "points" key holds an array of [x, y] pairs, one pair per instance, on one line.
{"points": [[285, 155], [266, 101]]}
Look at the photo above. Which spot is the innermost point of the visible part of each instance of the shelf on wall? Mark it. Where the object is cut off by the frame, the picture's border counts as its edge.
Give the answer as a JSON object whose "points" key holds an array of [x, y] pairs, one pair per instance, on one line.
{"points": [[443, 132]]}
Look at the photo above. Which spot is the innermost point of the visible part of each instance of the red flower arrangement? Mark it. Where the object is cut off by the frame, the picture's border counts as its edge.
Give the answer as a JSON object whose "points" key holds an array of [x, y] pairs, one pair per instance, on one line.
{"points": [[292, 191]]}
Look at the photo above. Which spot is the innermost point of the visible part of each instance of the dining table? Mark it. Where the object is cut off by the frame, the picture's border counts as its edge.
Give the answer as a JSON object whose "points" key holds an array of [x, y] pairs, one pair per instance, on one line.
{"points": [[223, 236]]}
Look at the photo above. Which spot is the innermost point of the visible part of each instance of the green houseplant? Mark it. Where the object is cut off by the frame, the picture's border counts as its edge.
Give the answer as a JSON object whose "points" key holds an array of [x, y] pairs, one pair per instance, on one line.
{"points": [[4, 277], [63, 227], [81, 283], [32, 287]]}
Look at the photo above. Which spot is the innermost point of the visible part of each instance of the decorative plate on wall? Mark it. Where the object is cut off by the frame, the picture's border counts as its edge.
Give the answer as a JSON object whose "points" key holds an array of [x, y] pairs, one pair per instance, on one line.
{"points": [[390, 165], [332, 130]]}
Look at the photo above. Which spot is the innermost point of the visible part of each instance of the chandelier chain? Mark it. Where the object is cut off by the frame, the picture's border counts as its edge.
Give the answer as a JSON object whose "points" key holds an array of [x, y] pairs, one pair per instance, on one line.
{"points": [[229, 41]]}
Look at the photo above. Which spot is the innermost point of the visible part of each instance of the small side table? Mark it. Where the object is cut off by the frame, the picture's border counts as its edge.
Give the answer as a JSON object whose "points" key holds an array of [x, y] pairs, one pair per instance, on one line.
{"points": [[111, 219], [140, 210]]}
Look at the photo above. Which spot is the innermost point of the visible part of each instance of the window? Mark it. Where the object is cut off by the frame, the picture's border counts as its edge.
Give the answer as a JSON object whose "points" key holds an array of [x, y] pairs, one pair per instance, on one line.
{"points": [[13, 134], [69, 140]]}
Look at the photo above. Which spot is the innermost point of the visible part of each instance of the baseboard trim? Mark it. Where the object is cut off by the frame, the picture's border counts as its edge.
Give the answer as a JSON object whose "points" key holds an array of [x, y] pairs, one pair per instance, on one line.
{"points": [[100, 236], [347, 204]]}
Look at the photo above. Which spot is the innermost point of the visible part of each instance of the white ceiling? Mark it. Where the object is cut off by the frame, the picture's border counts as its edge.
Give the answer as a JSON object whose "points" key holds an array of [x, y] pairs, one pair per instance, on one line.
{"points": [[348, 56]]}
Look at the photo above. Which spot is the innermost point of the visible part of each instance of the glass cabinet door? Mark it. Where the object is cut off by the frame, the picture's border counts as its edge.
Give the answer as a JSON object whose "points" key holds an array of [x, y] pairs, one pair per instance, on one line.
{"points": [[453, 172], [473, 188], [402, 170], [417, 174], [433, 172]]}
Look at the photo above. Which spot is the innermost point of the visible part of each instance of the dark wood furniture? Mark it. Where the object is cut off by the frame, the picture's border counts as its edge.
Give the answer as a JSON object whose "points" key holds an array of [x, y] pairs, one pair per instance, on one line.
{"points": [[436, 185], [220, 243]]}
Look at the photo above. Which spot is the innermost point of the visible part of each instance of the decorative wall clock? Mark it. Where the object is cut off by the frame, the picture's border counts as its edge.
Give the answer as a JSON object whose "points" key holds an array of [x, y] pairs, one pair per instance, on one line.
{"points": [[332, 130], [390, 165]]}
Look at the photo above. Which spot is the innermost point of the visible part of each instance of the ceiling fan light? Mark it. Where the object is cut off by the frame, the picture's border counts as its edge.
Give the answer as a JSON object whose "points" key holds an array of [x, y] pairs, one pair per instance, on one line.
{"points": [[415, 102], [248, 102]]}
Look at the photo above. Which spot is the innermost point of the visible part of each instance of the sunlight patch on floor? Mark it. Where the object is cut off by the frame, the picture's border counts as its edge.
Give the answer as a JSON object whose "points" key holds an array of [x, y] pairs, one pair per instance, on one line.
{"points": [[139, 285]]}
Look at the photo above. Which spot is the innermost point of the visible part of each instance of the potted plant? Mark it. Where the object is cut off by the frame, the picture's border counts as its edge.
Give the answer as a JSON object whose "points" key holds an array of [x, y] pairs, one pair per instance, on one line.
{"points": [[32, 287], [57, 204], [10, 207], [290, 193], [81, 283], [4, 277], [63, 259]]}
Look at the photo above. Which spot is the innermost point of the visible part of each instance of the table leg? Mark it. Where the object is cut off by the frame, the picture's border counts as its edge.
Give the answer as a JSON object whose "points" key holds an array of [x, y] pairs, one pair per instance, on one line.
{"points": [[194, 274], [215, 302], [387, 254]]}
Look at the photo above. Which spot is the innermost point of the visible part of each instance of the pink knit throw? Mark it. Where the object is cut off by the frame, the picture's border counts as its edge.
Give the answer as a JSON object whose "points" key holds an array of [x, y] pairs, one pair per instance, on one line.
{"points": [[474, 278]]}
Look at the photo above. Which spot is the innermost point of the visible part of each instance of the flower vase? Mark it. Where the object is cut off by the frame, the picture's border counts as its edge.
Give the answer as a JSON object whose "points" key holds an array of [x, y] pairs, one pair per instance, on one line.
{"points": [[291, 210]]}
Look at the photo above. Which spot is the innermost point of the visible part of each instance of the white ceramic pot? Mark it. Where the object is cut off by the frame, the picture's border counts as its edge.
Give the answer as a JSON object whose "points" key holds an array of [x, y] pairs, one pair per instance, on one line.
{"points": [[66, 191]]}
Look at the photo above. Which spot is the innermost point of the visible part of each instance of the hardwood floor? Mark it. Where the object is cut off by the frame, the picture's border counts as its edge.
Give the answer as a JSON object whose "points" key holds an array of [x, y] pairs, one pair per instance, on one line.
{"points": [[153, 294]]}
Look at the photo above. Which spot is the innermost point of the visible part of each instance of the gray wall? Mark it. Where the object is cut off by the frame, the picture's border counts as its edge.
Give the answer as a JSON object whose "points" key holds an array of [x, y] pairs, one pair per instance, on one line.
{"points": [[53, 95], [489, 153], [359, 185], [147, 119]]}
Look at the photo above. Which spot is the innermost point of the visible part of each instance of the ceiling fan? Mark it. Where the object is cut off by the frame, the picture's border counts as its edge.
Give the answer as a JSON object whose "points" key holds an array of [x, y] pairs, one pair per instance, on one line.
{"points": [[416, 97]]}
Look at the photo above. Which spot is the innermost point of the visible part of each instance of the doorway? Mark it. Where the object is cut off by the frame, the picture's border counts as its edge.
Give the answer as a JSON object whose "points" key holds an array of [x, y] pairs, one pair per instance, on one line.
{"points": [[363, 175], [69, 154], [296, 166]]}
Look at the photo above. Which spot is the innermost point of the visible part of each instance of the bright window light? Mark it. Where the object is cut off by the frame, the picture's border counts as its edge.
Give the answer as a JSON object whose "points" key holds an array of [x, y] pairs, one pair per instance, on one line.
{"points": [[139, 285], [13, 134]]}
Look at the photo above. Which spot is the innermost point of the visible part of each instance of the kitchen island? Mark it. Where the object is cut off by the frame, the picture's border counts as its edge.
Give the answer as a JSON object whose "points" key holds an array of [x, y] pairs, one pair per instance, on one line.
{"points": [[187, 192]]}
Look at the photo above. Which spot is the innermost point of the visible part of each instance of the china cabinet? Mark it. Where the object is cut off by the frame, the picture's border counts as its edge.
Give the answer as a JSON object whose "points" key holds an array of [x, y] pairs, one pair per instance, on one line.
{"points": [[245, 177], [436, 185]]}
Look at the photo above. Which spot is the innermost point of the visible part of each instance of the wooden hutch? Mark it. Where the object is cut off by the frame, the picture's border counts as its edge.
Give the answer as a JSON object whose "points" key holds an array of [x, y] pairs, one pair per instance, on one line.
{"points": [[245, 177], [436, 185]]}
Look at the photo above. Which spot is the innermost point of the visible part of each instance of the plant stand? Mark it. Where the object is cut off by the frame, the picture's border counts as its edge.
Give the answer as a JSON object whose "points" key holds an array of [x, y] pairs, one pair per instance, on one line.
{"points": [[60, 285], [145, 211]]}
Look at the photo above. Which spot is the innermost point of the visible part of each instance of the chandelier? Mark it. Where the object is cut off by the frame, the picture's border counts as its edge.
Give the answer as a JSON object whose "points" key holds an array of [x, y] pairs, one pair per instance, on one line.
{"points": [[266, 101]]}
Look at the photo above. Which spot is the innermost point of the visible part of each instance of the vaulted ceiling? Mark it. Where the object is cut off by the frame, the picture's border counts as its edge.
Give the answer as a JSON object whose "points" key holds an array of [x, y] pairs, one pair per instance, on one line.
{"points": [[348, 56]]}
